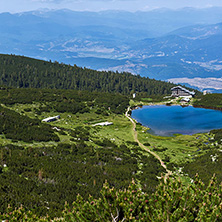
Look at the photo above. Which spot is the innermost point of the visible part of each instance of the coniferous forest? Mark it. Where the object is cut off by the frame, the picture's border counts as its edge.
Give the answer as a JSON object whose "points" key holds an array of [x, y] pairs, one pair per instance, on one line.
{"points": [[23, 72]]}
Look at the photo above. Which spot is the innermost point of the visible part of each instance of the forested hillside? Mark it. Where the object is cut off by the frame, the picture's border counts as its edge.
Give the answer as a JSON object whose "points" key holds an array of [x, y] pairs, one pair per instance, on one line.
{"points": [[23, 72], [42, 165], [213, 101]]}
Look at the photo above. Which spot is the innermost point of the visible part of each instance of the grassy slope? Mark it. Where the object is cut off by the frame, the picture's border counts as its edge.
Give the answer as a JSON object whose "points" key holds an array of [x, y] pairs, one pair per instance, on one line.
{"points": [[177, 152], [178, 149], [110, 153]]}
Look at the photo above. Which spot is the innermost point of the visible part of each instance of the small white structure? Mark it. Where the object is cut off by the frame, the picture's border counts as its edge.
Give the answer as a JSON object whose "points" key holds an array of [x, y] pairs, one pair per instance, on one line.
{"points": [[205, 92], [103, 124], [185, 100], [51, 119], [134, 95]]}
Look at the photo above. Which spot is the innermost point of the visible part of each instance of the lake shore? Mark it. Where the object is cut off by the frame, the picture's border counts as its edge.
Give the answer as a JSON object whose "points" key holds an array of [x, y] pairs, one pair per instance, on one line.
{"points": [[169, 120]]}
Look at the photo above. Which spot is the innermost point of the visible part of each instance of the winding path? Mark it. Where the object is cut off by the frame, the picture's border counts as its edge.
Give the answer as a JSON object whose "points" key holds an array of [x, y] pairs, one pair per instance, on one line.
{"points": [[146, 148]]}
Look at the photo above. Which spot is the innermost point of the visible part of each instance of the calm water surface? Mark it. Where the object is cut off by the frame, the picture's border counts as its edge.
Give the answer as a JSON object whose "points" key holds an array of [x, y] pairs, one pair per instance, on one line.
{"points": [[168, 120]]}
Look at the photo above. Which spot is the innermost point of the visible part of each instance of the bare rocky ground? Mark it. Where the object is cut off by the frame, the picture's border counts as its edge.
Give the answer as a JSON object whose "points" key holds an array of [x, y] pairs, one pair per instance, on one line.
{"points": [[201, 83]]}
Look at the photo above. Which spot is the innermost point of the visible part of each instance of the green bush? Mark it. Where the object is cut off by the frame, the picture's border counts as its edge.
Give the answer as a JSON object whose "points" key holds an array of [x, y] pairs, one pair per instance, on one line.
{"points": [[20, 127], [171, 202]]}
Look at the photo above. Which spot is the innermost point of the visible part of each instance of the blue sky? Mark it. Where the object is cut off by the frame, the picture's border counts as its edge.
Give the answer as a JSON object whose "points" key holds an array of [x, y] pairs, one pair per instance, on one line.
{"points": [[99, 5]]}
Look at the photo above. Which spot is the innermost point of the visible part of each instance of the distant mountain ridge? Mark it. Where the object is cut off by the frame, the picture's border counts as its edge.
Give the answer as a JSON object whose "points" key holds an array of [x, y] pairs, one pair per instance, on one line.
{"points": [[152, 43]]}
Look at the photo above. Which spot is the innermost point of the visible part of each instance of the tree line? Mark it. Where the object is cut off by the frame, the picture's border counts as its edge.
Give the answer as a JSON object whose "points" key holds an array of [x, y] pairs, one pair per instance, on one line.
{"points": [[23, 72], [211, 101]]}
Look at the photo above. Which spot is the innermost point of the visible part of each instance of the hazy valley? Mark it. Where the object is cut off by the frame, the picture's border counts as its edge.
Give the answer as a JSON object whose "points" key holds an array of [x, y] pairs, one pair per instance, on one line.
{"points": [[152, 44]]}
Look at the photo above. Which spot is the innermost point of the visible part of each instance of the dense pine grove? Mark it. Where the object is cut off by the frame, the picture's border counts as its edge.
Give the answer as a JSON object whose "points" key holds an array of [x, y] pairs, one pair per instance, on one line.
{"points": [[23, 72], [212, 101], [20, 127], [44, 178], [170, 202], [72, 101]]}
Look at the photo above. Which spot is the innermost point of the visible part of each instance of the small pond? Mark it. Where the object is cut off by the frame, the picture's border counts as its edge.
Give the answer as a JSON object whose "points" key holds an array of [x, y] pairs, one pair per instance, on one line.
{"points": [[168, 120]]}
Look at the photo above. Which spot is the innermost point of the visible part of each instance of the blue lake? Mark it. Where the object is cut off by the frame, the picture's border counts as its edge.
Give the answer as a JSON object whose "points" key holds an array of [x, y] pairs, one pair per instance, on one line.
{"points": [[168, 120]]}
